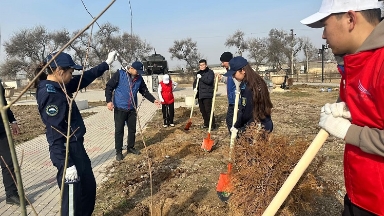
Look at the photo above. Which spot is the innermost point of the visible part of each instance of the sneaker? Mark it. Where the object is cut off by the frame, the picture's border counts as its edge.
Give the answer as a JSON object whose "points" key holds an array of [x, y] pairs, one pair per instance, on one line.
{"points": [[14, 200], [119, 156], [164, 126], [134, 151], [172, 125]]}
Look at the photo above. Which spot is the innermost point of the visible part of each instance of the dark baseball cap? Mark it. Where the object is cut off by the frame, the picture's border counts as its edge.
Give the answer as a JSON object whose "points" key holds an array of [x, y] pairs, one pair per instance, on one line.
{"points": [[236, 64], [63, 60], [138, 66]]}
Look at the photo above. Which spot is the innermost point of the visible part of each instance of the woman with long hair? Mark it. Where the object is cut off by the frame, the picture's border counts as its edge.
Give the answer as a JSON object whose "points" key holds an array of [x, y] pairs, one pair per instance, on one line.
{"points": [[255, 103]]}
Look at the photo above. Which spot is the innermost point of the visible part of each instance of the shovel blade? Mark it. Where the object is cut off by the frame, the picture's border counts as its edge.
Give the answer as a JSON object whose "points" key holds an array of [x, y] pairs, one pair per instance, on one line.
{"points": [[188, 125], [207, 144], [222, 189]]}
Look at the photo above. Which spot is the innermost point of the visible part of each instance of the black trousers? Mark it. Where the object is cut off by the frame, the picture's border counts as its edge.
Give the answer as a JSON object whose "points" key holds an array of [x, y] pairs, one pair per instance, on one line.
{"points": [[205, 106], [168, 113], [84, 195], [352, 210], [229, 117], [9, 184], [121, 117]]}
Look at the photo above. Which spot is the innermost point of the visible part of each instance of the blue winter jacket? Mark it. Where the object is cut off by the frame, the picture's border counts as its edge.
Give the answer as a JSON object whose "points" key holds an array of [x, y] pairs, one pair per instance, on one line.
{"points": [[125, 89], [231, 90]]}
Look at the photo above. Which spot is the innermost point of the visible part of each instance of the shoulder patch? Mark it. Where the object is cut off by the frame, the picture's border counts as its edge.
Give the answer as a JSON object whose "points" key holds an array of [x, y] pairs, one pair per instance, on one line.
{"points": [[50, 88], [52, 110], [243, 101]]}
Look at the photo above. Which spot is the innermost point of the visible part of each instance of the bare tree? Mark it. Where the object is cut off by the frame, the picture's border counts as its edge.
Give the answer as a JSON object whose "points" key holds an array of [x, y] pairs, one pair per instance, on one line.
{"points": [[79, 46], [276, 48], [237, 40], [258, 52], [102, 43], [310, 51], [29, 47], [186, 50], [282, 48], [132, 48]]}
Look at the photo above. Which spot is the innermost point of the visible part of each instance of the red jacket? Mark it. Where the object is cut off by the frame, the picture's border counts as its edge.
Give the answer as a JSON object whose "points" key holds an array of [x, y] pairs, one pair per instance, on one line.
{"points": [[167, 92], [362, 89]]}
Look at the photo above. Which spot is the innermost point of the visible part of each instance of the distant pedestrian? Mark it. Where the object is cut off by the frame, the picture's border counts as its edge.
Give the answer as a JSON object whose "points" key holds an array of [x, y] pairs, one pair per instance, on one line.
{"points": [[165, 91]]}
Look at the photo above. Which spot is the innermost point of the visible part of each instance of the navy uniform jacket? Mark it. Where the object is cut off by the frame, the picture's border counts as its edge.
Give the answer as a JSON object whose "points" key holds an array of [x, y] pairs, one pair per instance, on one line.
{"points": [[245, 113], [53, 108]]}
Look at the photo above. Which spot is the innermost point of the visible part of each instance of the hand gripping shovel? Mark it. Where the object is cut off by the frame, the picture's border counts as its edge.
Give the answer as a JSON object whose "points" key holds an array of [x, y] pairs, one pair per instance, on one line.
{"points": [[208, 142], [189, 123], [296, 173], [223, 186]]}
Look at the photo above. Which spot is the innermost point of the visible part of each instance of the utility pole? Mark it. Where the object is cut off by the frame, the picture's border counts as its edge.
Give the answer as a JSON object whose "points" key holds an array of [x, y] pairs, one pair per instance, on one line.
{"points": [[292, 35], [307, 63]]}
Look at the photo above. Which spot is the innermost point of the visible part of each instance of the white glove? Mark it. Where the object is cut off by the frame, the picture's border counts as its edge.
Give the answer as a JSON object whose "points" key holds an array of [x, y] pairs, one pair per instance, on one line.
{"points": [[338, 127], [195, 90], [199, 76], [162, 100], [71, 174], [234, 130], [337, 110], [111, 57]]}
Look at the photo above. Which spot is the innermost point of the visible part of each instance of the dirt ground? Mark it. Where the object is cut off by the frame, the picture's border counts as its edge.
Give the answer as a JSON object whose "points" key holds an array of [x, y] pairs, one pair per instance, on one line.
{"points": [[184, 177]]}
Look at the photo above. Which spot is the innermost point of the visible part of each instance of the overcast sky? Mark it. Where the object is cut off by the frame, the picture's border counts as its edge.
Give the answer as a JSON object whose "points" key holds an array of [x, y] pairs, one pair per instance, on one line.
{"points": [[161, 22]]}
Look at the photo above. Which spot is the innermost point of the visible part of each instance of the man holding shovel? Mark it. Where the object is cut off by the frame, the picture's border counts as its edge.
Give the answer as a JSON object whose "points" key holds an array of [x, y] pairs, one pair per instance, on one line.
{"points": [[205, 92], [353, 30]]}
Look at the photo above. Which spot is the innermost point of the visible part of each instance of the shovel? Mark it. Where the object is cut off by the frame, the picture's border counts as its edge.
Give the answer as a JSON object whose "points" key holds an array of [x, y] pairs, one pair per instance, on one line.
{"points": [[223, 186], [208, 142], [296, 173], [189, 123]]}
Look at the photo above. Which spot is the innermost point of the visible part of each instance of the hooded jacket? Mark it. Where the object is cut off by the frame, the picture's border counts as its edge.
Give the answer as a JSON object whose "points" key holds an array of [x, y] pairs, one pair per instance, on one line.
{"points": [[362, 89]]}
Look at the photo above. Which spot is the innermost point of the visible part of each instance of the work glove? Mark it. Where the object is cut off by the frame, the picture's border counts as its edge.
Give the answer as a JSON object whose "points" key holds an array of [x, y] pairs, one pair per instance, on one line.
{"points": [[111, 57], [234, 130], [199, 76], [71, 174], [337, 110], [338, 126]]}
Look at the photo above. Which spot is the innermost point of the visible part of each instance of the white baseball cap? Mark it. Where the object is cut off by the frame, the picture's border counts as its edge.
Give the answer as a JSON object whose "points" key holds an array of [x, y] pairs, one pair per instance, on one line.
{"points": [[329, 7], [166, 79]]}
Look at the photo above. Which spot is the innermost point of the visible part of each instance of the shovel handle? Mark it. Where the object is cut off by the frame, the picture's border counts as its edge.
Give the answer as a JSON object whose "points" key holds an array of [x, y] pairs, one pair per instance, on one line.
{"points": [[297, 172], [213, 103], [194, 97]]}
